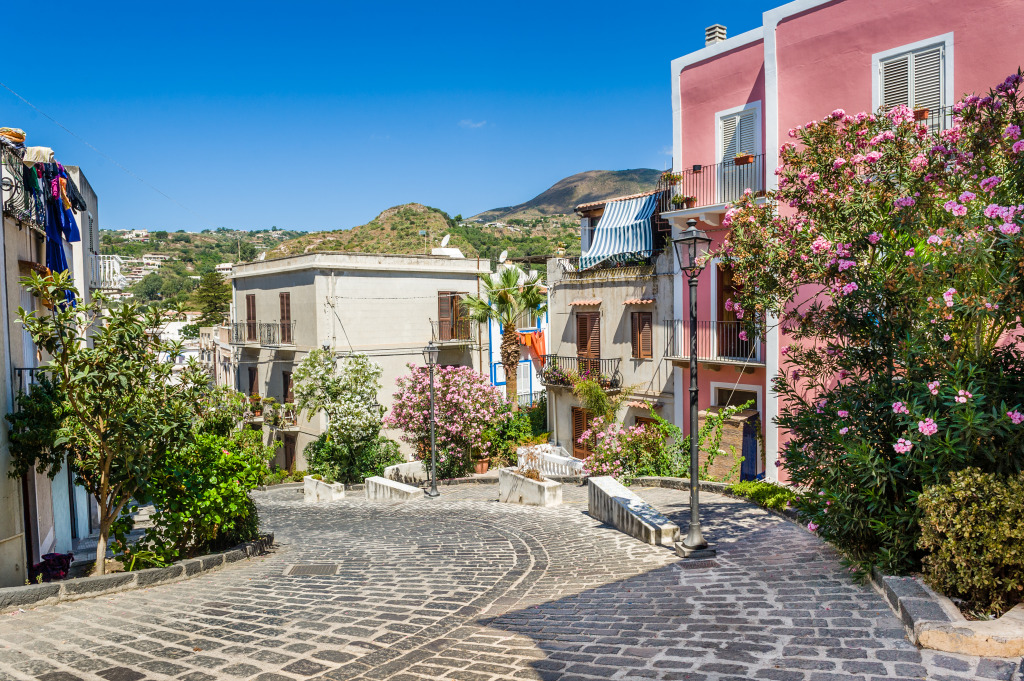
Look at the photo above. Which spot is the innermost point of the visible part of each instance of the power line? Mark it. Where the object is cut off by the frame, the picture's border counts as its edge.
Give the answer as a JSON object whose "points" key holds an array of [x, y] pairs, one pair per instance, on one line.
{"points": [[86, 143]]}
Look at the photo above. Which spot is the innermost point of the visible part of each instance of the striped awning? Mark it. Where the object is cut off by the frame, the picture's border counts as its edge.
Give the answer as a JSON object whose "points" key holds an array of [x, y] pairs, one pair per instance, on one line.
{"points": [[623, 233]]}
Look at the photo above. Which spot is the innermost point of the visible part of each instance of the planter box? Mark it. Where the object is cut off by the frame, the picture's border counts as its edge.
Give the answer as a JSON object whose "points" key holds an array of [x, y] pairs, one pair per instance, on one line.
{"points": [[744, 160], [318, 490], [518, 489], [920, 114]]}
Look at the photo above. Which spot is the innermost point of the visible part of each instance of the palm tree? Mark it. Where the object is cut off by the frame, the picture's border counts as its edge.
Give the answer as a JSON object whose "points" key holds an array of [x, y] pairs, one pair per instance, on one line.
{"points": [[507, 294]]}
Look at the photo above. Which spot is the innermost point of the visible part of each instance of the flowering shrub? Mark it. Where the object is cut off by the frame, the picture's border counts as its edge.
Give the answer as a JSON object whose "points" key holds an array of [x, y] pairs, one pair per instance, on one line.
{"points": [[625, 453], [891, 257], [465, 405]]}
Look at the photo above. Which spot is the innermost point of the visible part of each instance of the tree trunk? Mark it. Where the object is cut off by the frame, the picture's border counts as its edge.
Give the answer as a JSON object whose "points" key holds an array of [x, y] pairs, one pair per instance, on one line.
{"points": [[510, 360], [101, 542]]}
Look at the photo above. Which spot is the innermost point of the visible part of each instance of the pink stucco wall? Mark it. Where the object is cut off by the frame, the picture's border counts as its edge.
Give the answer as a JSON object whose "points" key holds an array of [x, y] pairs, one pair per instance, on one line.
{"points": [[714, 85]]}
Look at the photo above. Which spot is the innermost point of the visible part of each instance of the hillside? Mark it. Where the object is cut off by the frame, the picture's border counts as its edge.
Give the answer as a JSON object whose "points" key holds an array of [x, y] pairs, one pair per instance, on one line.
{"points": [[563, 196], [397, 230]]}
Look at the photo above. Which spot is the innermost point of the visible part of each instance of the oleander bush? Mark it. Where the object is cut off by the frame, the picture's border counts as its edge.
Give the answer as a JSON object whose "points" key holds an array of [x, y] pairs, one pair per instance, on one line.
{"points": [[765, 494], [351, 463], [973, 531]]}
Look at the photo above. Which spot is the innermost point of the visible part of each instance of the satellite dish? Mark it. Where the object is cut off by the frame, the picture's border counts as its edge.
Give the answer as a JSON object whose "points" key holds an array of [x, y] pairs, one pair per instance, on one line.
{"points": [[503, 256], [444, 241]]}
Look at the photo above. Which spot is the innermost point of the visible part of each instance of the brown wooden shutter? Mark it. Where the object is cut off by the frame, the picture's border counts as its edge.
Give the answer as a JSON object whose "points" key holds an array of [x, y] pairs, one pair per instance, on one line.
{"points": [[286, 317], [578, 426], [286, 379], [634, 334], [645, 334], [253, 381], [250, 316], [289, 453], [445, 316]]}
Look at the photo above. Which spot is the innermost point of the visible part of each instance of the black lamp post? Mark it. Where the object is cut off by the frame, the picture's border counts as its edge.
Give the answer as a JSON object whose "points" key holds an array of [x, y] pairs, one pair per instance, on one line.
{"points": [[430, 354], [691, 249]]}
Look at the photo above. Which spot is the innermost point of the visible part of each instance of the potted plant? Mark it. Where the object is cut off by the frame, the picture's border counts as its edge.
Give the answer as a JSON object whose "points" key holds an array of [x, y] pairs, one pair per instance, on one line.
{"points": [[920, 114], [481, 464], [255, 405], [743, 159], [669, 177], [685, 201]]}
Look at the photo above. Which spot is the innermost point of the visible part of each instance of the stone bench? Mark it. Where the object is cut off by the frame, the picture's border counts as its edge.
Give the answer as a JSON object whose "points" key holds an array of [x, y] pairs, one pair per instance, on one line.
{"points": [[613, 504], [514, 488], [382, 489], [411, 473], [314, 490]]}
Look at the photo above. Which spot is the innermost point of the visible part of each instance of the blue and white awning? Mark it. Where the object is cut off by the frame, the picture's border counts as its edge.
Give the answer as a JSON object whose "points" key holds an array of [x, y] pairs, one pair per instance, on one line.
{"points": [[623, 233]]}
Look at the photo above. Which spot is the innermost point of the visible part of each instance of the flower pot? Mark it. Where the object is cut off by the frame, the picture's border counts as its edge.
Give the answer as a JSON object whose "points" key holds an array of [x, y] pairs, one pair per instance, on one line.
{"points": [[480, 466], [920, 114], [744, 159], [690, 202]]}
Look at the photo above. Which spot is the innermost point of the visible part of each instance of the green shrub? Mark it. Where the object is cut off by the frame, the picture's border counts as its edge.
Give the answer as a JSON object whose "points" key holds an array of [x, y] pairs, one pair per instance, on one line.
{"points": [[510, 430], [973, 529], [538, 414], [764, 494], [339, 462]]}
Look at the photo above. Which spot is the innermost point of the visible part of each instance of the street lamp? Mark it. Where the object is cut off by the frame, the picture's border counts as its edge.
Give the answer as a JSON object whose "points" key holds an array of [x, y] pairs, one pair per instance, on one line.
{"points": [[430, 354], [691, 250]]}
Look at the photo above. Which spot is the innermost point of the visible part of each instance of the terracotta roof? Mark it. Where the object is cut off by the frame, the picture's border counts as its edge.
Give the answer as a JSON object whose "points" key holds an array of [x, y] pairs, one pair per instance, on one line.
{"points": [[638, 301], [595, 204], [640, 404], [586, 301]]}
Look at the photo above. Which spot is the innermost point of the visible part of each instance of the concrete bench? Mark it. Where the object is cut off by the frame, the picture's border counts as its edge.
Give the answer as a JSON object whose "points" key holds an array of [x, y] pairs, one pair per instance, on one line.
{"points": [[611, 503], [382, 489], [411, 473]]}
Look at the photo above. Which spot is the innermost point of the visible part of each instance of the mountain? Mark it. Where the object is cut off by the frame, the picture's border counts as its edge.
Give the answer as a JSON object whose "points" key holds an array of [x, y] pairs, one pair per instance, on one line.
{"points": [[563, 196]]}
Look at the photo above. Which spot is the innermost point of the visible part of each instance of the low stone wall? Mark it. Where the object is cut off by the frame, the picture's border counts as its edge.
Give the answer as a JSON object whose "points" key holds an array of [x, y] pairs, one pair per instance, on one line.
{"points": [[514, 488], [382, 489], [933, 621], [30, 595], [318, 490], [412, 473], [611, 503]]}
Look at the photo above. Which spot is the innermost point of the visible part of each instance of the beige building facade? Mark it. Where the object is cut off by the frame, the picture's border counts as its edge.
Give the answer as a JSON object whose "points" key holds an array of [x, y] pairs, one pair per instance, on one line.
{"points": [[386, 306]]}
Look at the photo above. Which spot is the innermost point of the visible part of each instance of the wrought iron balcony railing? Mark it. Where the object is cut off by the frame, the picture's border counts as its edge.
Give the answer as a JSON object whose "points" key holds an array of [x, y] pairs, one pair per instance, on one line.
{"points": [[717, 342], [274, 334], [243, 333], [453, 331], [563, 370], [709, 185]]}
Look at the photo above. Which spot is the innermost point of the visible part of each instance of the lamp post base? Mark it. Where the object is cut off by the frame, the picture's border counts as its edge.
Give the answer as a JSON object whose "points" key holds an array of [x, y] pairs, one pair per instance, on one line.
{"points": [[431, 493], [696, 554]]}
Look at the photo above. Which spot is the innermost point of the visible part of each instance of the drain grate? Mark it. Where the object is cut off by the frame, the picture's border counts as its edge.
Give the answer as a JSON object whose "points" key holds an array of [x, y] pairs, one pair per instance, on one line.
{"points": [[315, 570], [697, 564]]}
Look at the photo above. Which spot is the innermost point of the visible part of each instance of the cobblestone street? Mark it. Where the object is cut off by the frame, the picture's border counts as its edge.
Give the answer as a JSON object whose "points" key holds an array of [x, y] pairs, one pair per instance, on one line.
{"points": [[462, 587]]}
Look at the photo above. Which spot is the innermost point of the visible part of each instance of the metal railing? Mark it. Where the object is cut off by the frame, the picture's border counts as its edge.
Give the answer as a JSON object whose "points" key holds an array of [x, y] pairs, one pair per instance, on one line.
{"points": [[244, 332], [709, 185], [717, 342], [528, 399], [563, 370], [277, 333], [453, 331], [19, 201], [937, 119]]}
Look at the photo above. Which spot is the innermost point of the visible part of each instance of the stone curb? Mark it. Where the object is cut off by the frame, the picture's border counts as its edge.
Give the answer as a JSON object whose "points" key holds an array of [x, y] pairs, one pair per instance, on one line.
{"points": [[933, 621], [50, 593]]}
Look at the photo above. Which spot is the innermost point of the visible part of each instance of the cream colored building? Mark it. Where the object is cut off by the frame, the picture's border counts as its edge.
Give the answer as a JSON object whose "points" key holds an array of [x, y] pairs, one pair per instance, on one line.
{"points": [[386, 306]]}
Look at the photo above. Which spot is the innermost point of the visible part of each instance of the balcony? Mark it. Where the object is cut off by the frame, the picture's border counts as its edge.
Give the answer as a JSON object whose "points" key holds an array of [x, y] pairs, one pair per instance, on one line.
{"points": [[277, 334], [706, 191], [718, 343], [245, 333], [561, 371], [453, 332]]}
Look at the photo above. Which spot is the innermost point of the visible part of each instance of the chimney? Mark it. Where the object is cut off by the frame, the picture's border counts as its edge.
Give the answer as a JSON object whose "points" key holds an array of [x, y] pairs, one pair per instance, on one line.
{"points": [[714, 34]]}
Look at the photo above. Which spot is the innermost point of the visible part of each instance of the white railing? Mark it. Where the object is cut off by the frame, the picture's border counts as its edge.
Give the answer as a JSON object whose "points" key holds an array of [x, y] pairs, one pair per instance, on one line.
{"points": [[106, 272], [550, 460]]}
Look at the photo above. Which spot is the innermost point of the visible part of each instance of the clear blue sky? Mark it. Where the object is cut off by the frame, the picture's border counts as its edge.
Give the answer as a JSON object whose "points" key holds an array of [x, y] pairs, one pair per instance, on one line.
{"points": [[320, 115]]}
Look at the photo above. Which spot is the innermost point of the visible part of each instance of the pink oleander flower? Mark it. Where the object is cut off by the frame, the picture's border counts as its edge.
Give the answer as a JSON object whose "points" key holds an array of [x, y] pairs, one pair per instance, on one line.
{"points": [[945, 336], [993, 210], [845, 265], [967, 197], [989, 183], [962, 396], [927, 427], [1016, 417], [873, 156], [875, 237], [904, 201], [813, 527], [1009, 228], [844, 430], [948, 296], [742, 335], [899, 408], [909, 252], [850, 288], [903, 446], [935, 239], [1012, 132], [838, 113], [729, 304], [1018, 147], [918, 163], [838, 163], [843, 413], [955, 208]]}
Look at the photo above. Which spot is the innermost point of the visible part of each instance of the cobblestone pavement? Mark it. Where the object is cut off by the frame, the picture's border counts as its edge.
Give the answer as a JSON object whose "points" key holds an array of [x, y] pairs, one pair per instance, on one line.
{"points": [[462, 587]]}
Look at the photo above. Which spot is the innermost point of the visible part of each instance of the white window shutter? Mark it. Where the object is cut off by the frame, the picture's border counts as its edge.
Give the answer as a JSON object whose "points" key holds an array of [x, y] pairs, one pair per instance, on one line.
{"points": [[523, 378], [745, 133], [729, 137], [895, 83], [927, 78]]}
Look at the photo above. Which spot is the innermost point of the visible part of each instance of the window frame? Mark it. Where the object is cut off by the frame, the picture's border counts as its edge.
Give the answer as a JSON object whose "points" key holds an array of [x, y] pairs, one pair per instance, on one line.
{"points": [[636, 334], [948, 87]]}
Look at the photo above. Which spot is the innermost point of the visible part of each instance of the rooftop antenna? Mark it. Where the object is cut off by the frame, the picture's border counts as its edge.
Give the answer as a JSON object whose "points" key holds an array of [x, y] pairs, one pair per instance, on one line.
{"points": [[502, 257], [444, 241]]}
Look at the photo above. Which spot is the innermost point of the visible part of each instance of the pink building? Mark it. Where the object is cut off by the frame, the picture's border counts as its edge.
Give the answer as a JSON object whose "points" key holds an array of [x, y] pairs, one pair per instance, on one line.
{"points": [[734, 101]]}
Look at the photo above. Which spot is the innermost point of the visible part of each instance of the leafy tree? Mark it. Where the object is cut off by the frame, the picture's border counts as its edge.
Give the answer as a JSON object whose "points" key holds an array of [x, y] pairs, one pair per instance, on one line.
{"points": [[149, 288], [161, 235], [345, 390], [189, 332], [214, 298], [111, 409], [246, 251], [508, 294]]}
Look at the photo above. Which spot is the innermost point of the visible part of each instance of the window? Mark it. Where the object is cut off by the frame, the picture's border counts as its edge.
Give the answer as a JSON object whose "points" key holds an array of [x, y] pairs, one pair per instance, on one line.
{"points": [[288, 388], [289, 453], [646, 421], [452, 317], [581, 419], [642, 340], [588, 340], [254, 381], [286, 317], [587, 227], [915, 78], [739, 134], [728, 397], [527, 320], [250, 317]]}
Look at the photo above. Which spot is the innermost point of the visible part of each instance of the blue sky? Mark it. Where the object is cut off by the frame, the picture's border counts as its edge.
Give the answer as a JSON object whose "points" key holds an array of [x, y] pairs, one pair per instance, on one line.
{"points": [[320, 115]]}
